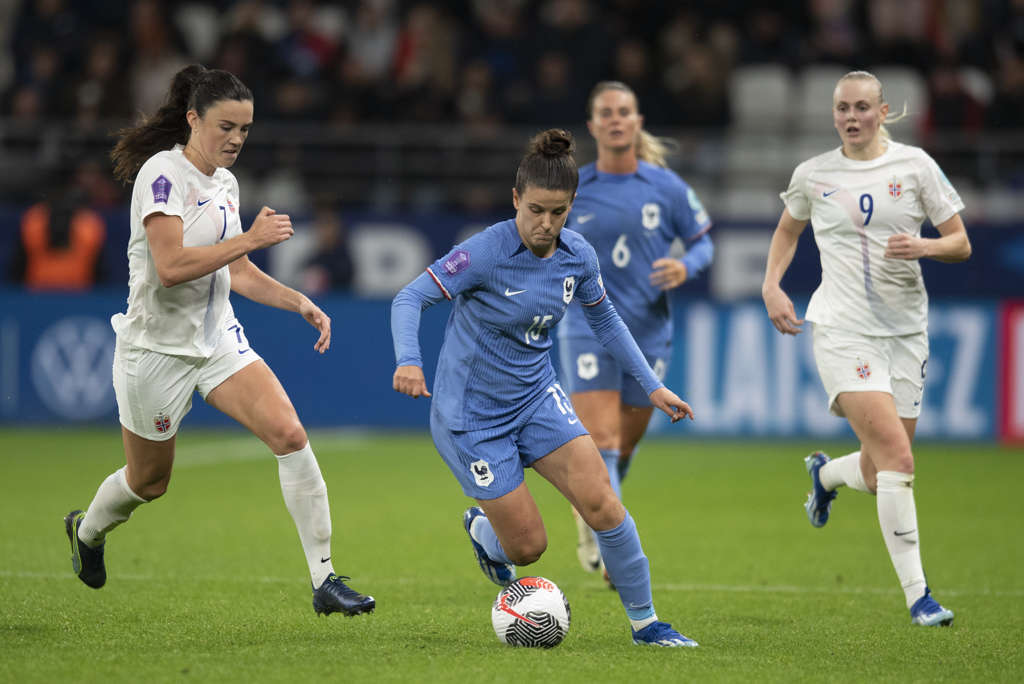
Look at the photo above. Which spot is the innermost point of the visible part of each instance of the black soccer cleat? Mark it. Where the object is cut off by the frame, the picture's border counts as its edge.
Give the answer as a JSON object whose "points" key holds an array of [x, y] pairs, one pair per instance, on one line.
{"points": [[334, 596], [86, 561]]}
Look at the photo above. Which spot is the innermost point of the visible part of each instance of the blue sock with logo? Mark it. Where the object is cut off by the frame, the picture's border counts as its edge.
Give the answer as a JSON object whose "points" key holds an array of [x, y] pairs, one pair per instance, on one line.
{"points": [[629, 571], [611, 462], [485, 536]]}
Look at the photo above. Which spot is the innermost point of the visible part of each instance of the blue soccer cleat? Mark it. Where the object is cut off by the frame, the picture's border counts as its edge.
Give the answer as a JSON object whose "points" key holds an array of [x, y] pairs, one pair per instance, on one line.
{"points": [[500, 573], [334, 596], [87, 562], [926, 611], [819, 501], [661, 634]]}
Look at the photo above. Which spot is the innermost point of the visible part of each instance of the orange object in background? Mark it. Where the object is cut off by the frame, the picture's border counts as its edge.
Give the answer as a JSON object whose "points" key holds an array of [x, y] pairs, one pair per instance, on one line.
{"points": [[70, 267]]}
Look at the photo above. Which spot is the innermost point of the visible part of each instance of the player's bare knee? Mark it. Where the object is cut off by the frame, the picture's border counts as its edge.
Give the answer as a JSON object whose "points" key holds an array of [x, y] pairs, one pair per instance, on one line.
{"points": [[151, 491], [603, 513], [605, 438], [529, 551], [289, 437]]}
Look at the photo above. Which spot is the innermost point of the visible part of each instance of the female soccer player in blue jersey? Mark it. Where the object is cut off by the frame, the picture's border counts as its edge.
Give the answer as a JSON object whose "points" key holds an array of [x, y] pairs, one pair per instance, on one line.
{"points": [[497, 407], [186, 254], [629, 207]]}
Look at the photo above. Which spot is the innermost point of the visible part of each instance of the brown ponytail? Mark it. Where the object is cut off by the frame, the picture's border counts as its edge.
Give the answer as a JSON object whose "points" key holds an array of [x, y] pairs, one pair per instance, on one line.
{"points": [[194, 87]]}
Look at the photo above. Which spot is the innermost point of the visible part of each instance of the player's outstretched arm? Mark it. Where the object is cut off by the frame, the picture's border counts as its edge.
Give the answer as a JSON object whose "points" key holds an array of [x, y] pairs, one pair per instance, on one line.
{"points": [[252, 283], [780, 255], [951, 248], [674, 407], [176, 264]]}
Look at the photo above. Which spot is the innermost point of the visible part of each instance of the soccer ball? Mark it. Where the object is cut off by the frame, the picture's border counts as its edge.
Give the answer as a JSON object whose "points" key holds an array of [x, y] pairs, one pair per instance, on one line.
{"points": [[531, 611]]}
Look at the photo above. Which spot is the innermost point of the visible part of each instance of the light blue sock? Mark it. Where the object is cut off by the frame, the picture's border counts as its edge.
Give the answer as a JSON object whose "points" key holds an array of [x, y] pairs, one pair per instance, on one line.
{"points": [[611, 462], [623, 466], [628, 568], [485, 536]]}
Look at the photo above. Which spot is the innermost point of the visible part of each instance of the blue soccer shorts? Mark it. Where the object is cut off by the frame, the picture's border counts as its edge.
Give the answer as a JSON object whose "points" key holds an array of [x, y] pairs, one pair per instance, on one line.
{"points": [[588, 367], [489, 463]]}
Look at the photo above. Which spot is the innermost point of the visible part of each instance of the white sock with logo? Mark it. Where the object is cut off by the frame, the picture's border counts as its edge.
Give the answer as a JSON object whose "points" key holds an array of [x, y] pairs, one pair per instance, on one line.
{"points": [[305, 495], [843, 471], [897, 516], [112, 505]]}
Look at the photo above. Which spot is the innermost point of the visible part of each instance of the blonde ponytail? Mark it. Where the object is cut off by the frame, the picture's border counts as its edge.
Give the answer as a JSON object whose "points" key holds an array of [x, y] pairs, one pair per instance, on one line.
{"points": [[653, 149]]}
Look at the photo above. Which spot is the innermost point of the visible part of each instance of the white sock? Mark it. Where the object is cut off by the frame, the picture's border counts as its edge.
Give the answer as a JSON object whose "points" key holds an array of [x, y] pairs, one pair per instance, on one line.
{"points": [[640, 624], [841, 471], [305, 495], [112, 505], [898, 517]]}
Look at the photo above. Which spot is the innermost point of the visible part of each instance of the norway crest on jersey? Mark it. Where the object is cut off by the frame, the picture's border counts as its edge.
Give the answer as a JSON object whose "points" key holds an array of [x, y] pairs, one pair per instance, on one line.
{"points": [[568, 288], [895, 187]]}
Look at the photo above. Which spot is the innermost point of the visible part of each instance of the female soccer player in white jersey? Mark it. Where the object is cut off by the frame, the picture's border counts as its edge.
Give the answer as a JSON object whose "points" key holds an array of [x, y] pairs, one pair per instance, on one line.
{"points": [[629, 207], [187, 252], [497, 406], [866, 201]]}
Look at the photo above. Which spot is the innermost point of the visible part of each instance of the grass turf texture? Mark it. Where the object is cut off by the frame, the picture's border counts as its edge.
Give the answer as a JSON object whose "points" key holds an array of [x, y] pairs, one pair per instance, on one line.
{"points": [[209, 583]]}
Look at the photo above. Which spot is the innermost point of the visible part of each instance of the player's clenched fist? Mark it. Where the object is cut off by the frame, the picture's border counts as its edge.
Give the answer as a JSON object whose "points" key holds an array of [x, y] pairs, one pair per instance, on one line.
{"points": [[409, 380], [270, 228]]}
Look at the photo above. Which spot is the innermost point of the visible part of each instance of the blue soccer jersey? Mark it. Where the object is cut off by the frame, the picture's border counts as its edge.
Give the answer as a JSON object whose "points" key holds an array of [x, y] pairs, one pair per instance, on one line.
{"points": [[631, 221], [494, 362]]}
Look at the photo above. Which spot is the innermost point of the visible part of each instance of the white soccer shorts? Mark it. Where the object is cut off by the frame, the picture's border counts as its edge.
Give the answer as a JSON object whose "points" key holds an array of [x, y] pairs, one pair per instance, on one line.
{"points": [[154, 390], [851, 362]]}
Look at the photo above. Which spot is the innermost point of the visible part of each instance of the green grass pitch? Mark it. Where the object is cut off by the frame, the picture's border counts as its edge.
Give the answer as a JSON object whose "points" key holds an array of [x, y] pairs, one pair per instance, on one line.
{"points": [[209, 584]]}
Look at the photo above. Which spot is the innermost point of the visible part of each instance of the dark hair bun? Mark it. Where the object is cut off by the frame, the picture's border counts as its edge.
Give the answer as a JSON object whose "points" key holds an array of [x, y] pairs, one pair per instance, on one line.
{"points": [[552, 143]]}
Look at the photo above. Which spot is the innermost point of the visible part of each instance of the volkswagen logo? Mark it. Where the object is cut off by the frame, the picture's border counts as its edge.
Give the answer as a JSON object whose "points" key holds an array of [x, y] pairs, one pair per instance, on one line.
{"points": [[72, 367]]}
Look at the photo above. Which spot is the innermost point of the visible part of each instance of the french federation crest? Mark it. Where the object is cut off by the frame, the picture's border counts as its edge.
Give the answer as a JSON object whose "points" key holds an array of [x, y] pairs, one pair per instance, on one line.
{"points": [[568, 289], [650, 215], [895, 187]]}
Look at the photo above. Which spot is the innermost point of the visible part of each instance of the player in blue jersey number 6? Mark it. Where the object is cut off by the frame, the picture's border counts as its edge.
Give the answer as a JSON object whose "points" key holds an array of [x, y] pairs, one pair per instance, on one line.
{"points": [[630, 208], [497, 407], [186, 254], [866, 201]]}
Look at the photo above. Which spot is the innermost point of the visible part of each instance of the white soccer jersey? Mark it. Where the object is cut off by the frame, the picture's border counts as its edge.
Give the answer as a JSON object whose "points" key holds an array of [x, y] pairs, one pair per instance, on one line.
{"points": [[854, 207], [185, 319]]}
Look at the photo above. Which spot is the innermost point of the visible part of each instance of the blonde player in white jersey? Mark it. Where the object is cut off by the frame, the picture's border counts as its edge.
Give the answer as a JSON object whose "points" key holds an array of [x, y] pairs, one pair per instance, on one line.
{"points": [[867, 201], [187, 253]]}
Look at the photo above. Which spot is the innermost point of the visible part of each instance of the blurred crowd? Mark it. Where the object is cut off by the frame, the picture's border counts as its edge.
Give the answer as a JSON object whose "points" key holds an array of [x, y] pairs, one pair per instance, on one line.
{"points": [[493, 62]]}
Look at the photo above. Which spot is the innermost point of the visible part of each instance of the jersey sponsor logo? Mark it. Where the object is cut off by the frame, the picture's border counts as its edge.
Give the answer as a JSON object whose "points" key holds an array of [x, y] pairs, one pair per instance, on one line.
{"points": [[202, 202], [162, 422], [829, 194], [650, 215], [457, 263], [895, 187], [863, 370], [482, 473], [161, 189], [568, 287], [583, 219], [513, 294], [586, 366]]}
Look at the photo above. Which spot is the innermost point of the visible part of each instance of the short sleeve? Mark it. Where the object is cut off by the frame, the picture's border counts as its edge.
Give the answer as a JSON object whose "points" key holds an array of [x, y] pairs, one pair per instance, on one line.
{"points": [[464, 267], [797, 198], [939, 198], [591, 288], [690, 217], [161, 188]]}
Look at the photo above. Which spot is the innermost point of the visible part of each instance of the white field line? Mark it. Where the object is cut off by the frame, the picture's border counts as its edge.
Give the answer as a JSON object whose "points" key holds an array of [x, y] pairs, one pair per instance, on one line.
{"points": [[727, 588], [249, 448]]}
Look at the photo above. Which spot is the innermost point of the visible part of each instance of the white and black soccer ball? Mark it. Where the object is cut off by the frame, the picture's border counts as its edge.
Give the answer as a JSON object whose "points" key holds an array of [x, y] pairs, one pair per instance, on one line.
{"points": [[532, 612]]}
